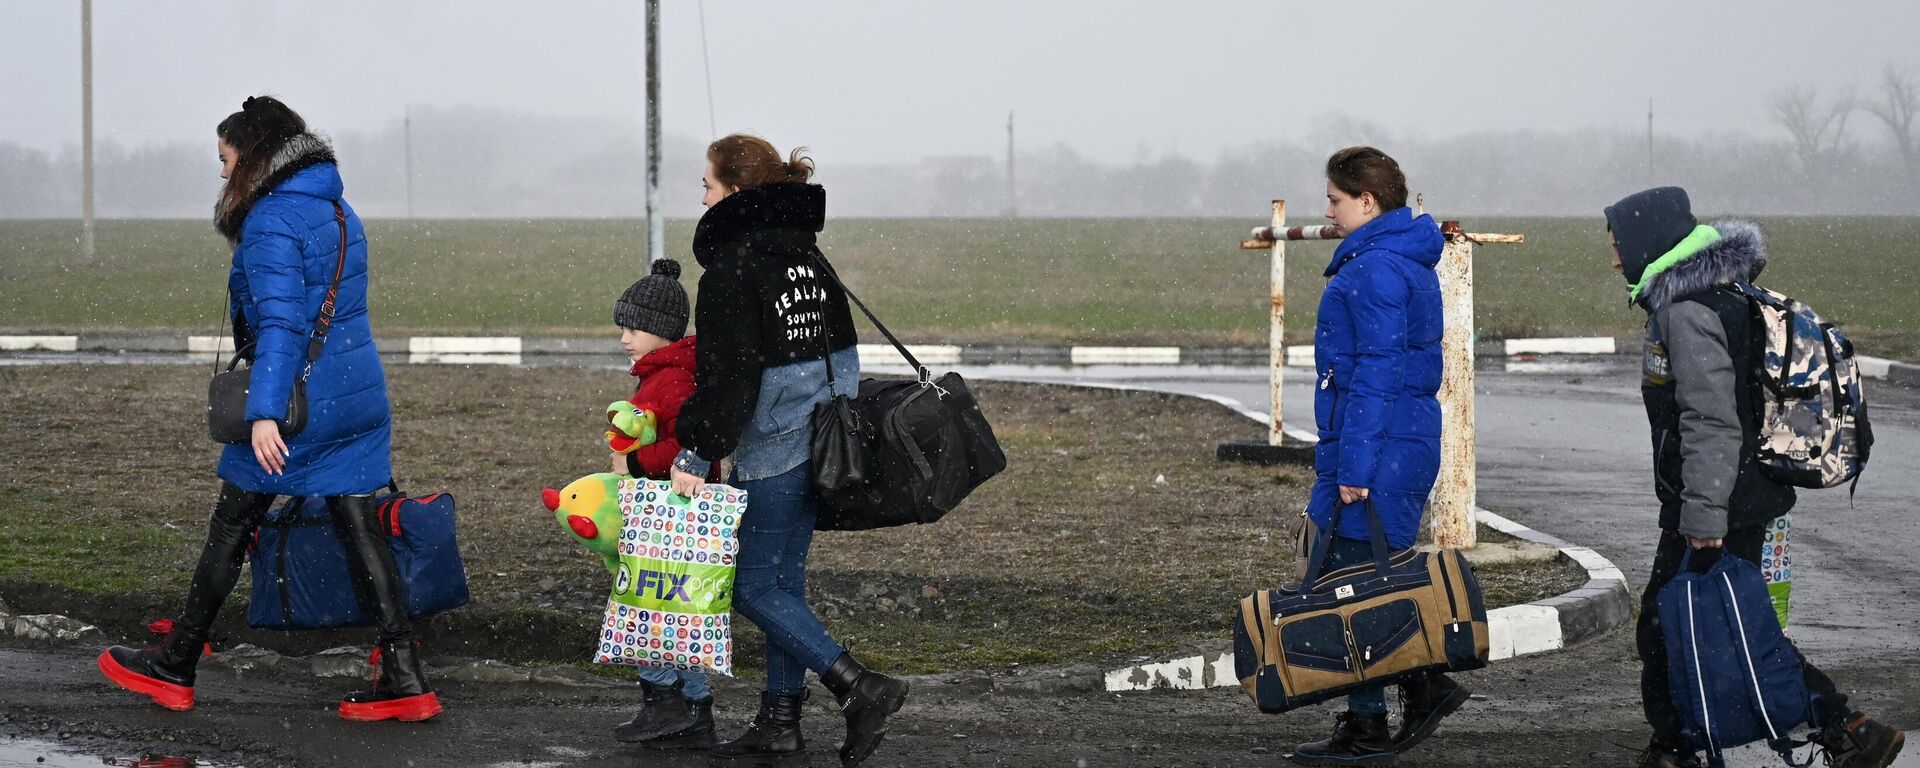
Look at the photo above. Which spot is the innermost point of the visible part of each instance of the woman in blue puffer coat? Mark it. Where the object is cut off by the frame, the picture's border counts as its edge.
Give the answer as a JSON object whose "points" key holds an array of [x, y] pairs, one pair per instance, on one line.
{"points": [[1377, 358], [282, 211]]}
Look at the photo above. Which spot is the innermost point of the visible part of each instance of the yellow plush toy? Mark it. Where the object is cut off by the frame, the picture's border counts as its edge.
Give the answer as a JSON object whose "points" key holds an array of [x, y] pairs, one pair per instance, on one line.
{"points": [[589, 510], [630, 427]]}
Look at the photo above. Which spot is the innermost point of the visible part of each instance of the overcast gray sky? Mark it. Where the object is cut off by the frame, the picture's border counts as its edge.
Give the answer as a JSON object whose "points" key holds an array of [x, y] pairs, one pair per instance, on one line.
{"points": [[884, 81]]}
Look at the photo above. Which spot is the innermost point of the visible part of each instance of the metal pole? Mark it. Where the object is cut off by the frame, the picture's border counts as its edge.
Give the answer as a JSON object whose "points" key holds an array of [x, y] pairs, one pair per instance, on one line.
{"points": [[1013, 191], [1454, 493], [86, 129], [656, 219], [1277, 327], [406, 140]]}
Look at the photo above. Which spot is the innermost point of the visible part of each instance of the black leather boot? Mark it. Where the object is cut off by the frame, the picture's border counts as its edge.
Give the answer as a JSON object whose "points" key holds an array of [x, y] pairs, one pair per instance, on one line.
{"points": [[1860, 742], [1357, 740], [1426, 700], [773, 738], [163, 672], [657, 707], [866, 699], [400, 689], [690, 728]]}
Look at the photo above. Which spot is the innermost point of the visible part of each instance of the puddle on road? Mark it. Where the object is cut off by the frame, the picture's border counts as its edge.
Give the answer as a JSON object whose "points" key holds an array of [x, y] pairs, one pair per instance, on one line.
{"points": [[37, 753]]}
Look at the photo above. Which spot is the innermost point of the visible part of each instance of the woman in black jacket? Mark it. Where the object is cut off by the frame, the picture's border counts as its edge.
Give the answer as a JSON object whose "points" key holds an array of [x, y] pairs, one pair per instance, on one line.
{"points": [[769, 317]]}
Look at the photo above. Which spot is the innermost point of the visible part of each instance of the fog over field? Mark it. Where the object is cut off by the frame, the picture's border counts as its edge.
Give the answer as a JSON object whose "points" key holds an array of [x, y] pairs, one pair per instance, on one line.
{"points": [[1119, 107]]}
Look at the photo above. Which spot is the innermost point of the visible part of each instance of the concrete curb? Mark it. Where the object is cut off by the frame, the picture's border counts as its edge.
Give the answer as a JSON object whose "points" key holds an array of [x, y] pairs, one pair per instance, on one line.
{"points": [[509, 350], [1599, 606], [514, 350]]}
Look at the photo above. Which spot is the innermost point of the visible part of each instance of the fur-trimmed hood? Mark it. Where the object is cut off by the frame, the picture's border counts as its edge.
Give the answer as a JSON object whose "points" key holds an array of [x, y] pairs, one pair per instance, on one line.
{"points": [[785, 215], [298, 154], [1738, 255]]}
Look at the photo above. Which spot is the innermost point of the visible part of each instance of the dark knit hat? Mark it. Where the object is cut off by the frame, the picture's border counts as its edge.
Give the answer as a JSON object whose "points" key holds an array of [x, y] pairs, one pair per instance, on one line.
{"points": [[1645, 225], [655, 303]]}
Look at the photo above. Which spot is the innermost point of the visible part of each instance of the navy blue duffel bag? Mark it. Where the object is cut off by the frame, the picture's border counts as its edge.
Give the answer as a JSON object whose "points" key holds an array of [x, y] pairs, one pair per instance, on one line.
{"points": [[1734, 677], [300, 577]]}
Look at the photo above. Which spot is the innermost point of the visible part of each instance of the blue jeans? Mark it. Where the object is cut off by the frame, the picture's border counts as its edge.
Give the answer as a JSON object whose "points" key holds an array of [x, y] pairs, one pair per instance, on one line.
{"points": [[1341, 553], [695, 683], [770, 580]]}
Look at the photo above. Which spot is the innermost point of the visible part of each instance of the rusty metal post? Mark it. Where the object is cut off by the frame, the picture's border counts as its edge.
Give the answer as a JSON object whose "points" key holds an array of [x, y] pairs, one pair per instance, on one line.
{"points": [[1454, 492], [1277, 327]]}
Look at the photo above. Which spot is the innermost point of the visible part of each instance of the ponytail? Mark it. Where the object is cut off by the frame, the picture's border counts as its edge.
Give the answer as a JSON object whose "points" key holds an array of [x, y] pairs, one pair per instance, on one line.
{"points": [[744, 161]]}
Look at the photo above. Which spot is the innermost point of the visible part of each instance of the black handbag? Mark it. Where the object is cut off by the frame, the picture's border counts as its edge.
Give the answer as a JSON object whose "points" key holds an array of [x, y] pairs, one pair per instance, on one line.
{"points": [[903, 451], [842, 449], [227, 392]]}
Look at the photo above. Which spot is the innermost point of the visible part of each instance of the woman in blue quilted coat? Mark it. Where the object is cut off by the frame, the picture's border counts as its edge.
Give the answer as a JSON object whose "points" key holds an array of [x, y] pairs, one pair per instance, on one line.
{"points": [[1377, 359], [282, 211]]}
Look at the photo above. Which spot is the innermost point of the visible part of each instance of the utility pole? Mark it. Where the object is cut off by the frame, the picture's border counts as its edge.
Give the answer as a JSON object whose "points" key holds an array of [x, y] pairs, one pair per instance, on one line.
{"points": [[86, 129], [406, 141], [1013, 189], [1650, 178], [656, 219]]}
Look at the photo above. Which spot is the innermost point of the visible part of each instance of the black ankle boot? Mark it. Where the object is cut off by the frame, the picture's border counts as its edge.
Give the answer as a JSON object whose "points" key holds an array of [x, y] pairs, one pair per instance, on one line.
{"points": [[1860, 742], [1357, 740], [773, 738], [866, 699], [657, 706], [164, 672], [690, 728], [1426, 700], [399, 689]]}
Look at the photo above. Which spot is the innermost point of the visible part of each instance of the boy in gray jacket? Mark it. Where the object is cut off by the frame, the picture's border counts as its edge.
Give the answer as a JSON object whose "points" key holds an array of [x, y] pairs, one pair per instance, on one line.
{"points": [[1698, 366]]}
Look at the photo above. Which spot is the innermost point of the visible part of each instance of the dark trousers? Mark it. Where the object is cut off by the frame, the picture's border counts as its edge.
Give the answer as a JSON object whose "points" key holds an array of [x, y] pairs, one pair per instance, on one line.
{"points": [[235, 516], [1829, 705]]}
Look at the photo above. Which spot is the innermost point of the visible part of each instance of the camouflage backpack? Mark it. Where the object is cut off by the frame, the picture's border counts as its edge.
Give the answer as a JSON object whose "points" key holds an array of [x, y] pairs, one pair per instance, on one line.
{"points": [[1814, 431]]}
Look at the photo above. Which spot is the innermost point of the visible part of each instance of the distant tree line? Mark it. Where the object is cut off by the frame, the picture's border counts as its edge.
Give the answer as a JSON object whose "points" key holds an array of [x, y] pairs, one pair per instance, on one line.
{"points": [[1843, 152]]}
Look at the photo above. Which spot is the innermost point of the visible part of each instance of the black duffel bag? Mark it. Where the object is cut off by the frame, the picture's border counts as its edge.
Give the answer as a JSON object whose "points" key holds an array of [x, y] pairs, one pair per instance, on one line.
{"points": [[904, 451]]}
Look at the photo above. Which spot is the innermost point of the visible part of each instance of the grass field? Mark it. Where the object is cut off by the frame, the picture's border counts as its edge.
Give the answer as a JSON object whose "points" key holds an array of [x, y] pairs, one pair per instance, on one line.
{"points": [[1169, 281]]}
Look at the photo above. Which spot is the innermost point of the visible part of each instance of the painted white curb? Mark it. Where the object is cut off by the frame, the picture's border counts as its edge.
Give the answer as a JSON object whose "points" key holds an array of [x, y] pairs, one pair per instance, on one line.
{"points": [[204, 345], [41, 343], [1873, 367], [464, 350], [927, 354], [1124, 355], [1585, 345]]}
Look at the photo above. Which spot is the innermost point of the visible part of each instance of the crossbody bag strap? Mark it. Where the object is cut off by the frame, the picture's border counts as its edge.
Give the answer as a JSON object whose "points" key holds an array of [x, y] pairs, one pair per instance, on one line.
{"points": [[325, 323], [925, 374]]}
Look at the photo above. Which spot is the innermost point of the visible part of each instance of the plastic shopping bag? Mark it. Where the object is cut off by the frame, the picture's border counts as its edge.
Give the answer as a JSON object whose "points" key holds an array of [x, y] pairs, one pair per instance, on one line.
{"points": [[673, 592]]}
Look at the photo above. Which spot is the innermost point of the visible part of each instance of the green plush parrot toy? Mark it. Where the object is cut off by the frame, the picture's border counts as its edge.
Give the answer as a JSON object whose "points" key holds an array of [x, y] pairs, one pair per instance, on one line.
{"points": [[589, 510], [631, 427]]}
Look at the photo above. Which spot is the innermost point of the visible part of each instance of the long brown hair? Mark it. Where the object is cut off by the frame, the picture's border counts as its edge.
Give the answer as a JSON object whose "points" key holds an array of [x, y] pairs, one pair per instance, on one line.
{"points": [[256, 132], [1361, 170], [744, 161]]}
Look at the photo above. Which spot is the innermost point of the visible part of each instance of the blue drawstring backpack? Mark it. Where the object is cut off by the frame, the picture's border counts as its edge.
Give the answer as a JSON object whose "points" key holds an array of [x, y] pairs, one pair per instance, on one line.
{"points": [[300, 576], [1734, 677]]}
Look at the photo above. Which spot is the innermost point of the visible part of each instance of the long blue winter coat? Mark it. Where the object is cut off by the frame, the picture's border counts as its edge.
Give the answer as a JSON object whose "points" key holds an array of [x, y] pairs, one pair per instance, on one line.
{"points": [[287, 245], [1376, 353]]}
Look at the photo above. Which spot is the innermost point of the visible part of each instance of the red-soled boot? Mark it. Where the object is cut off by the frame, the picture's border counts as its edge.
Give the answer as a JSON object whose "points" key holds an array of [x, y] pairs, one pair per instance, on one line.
{"points": [[163, 673], [399, 689]]}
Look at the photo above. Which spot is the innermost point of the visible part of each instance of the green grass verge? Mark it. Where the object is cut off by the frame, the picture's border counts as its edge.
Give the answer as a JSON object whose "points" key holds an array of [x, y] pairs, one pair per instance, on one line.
{"points": [[1156, 281]]}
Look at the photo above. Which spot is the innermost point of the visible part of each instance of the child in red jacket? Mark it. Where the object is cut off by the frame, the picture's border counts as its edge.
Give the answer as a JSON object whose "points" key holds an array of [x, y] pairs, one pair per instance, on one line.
{"points": [[677, 707]]}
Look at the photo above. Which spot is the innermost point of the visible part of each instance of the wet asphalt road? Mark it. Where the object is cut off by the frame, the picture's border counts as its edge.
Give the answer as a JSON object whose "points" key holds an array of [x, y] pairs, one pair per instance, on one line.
{"points": [[1562, 451]]}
